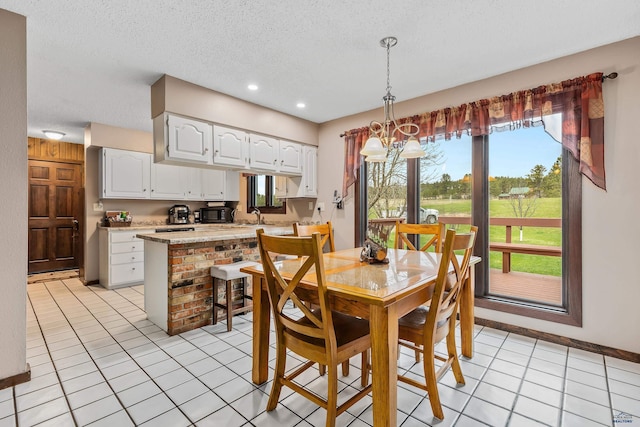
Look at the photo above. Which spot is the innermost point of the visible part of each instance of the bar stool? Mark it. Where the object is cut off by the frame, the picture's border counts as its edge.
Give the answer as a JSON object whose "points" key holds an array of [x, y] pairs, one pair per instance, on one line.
{"points": [[229, 272]]}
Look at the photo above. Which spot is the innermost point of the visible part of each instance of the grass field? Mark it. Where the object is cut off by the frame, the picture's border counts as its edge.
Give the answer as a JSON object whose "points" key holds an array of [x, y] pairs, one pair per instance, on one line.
{"points": [[545, 208]]}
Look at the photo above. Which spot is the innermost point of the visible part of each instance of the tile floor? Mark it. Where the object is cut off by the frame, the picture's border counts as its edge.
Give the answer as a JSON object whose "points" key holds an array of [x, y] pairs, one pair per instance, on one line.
{"points": [[96, 360]]}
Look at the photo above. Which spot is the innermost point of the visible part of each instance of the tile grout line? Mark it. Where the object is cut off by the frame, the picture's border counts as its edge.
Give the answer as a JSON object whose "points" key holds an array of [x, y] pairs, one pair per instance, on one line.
{"points": [[161, 349], [44, 285]]}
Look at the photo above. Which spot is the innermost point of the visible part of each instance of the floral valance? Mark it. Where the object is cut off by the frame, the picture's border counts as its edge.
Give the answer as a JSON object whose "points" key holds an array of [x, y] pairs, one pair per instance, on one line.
{"points": [[572, 112]]}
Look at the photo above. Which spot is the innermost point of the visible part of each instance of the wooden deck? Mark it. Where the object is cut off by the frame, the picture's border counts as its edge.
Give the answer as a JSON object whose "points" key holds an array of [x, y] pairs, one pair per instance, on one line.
{"points": [[533, 287]]}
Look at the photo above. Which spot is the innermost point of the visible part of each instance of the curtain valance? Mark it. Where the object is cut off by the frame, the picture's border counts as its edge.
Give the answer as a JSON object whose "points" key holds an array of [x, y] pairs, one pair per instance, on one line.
{"points": [[572, 112]]}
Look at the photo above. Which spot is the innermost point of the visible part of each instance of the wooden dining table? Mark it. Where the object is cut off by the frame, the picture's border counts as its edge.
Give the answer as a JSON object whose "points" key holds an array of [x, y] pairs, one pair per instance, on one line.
{"points": [[379, 292]]}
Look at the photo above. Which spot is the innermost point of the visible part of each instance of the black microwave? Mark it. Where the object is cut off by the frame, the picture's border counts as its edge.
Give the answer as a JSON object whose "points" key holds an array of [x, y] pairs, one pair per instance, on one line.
{"points": [[216, 214]]}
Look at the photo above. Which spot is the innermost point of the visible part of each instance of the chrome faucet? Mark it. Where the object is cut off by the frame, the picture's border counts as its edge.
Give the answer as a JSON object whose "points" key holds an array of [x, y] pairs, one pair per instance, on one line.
{"points": [[256, 212]]}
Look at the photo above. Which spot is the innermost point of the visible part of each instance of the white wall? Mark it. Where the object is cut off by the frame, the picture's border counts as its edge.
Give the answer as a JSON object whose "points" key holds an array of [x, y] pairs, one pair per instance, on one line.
{"points": [[611, 230], [13, 175]]}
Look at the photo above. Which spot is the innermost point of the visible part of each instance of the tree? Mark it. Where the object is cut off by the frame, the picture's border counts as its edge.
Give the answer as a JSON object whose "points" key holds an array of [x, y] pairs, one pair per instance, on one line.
{"points": [[552, 184], [536, 177], [523, 205], [387, 181]]}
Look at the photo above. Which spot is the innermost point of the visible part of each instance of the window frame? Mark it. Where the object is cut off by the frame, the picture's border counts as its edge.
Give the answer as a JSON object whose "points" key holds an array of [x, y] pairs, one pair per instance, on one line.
{"points": [[252, 193], [571, 311]]}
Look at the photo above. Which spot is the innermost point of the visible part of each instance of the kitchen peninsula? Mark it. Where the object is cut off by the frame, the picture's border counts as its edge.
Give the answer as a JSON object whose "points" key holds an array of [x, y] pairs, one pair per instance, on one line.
{"points": [[178, 289]]}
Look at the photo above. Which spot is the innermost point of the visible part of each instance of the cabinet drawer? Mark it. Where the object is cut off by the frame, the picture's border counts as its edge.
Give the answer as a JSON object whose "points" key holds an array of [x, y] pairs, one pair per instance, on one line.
{"points": [[125, 258], [127, 273], [120, 248], [124, 236]]}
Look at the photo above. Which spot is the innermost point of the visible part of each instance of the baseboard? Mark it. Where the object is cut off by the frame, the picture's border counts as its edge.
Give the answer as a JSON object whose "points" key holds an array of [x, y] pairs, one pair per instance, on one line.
{"points": [[16, 379], [558, 339]]}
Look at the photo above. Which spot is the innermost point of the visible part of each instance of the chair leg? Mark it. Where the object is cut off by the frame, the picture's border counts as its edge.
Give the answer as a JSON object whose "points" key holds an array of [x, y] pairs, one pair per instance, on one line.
{"points": [[432, 384], [322, 369], [453, 356], [281, 361], [345, 368], [229, 298], [332, 395], [215, 300], [364, 365]]}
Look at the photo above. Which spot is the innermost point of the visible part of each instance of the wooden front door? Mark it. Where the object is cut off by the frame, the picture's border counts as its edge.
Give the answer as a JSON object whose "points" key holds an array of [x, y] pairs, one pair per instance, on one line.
{"points": [[54, 214]]}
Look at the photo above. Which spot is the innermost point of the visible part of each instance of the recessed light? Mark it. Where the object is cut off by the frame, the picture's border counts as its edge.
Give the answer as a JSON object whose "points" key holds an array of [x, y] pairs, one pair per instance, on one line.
{"points": [[300, 105], [53, 134], [252, 87]]}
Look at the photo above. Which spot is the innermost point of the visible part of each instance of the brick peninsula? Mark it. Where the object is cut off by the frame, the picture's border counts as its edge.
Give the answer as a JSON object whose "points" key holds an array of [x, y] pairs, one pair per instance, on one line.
{"points": [[178, 289]]}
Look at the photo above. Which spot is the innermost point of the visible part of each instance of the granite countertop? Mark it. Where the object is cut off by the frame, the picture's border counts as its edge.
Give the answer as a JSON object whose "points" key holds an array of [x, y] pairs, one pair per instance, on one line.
{"points": [[214, 233]]}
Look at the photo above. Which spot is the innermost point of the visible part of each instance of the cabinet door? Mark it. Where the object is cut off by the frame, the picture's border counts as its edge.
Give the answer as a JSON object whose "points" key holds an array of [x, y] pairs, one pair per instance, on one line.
{"points": [[124, 174], [281, 187], [263, 152], [167, 182], [310, 171], [193, 185], [213, 184], [229, 147], [290, 155], [188, 140]]}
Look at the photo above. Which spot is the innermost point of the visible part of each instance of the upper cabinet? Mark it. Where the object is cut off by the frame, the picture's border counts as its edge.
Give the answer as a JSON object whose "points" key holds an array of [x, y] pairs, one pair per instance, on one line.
{"points": [[124, 174], [310, 171], [290, 155], [179, 140], [230, 147], [263, 153], [305, 186], [167, 182]]}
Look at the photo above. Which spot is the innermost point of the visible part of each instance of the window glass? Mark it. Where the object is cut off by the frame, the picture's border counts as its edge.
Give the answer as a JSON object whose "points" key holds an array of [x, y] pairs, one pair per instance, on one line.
{"points": [[445, 183], [386, 197], [525, 213]]}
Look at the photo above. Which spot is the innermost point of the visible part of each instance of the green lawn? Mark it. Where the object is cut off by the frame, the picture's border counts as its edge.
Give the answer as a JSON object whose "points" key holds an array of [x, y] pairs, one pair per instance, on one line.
{"points": [[545, 208]]}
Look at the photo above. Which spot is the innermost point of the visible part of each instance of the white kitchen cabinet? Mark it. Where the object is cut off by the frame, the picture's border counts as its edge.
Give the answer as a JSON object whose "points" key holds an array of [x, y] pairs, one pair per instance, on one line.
{"points": [[121, 257], [305, 186], [281, 187], [168, 181], [309, 171], [213, 184], [290, 155], [179, 140], [263, 153], [219, 185], [230, 147], [124, 174], [193, 183]]}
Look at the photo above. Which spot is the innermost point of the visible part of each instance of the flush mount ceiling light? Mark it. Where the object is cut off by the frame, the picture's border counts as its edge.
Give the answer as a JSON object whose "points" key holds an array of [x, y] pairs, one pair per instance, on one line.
{"points": [[382, 140], [252, 87], [301, 105], [53, 134]]}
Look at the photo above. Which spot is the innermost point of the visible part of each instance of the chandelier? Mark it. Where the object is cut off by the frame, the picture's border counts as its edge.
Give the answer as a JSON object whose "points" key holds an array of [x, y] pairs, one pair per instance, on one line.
{"points": [[382, 140]]}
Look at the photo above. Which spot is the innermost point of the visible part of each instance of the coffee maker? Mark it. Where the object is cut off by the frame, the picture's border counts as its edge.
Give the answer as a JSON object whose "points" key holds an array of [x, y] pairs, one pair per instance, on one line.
{"points": [[179, 214]]}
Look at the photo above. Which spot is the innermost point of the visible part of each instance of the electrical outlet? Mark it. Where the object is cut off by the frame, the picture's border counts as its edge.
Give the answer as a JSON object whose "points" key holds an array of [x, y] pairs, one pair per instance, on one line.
{"points": [[98, 207], [310, 206], [320, 206]]}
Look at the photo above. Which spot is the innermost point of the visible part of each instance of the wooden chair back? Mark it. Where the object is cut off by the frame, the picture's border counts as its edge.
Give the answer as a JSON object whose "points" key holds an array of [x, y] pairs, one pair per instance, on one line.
{"points": [[432, 231], [316, 325], [446, 295], [325, 230]]}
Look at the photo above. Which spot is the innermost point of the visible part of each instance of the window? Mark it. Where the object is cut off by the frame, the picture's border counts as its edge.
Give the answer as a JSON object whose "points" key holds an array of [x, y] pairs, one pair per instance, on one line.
{"points": [[261, 194], [482, 180]]}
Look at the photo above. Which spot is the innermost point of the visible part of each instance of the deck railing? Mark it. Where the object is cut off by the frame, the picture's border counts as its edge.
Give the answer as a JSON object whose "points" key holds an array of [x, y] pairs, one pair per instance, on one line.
{"points": [[508, 246]]}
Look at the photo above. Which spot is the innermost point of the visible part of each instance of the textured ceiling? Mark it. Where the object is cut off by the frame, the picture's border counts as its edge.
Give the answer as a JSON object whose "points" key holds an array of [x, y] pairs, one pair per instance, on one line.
{"points": [[94, 60]]}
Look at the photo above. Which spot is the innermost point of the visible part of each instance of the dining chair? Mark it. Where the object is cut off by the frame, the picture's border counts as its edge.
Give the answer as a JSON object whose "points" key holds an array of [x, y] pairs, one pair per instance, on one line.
{"points": [[433, 232], [325, 230], [319, 334], [425, 327]]}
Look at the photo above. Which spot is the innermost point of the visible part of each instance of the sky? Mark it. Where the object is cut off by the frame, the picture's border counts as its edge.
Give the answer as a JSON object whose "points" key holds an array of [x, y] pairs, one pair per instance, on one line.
{"points": [[511, 153]]}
